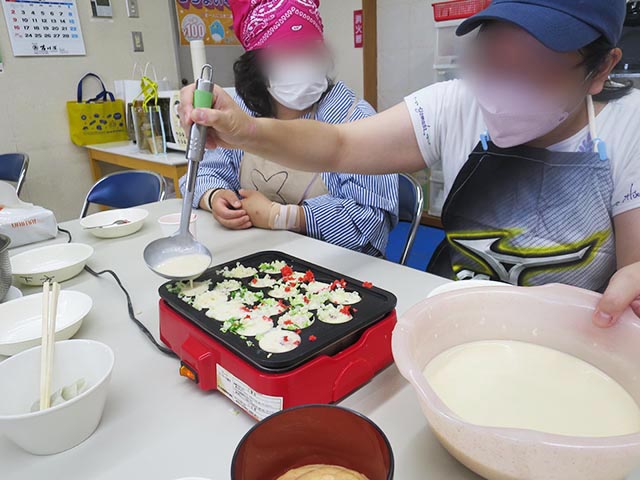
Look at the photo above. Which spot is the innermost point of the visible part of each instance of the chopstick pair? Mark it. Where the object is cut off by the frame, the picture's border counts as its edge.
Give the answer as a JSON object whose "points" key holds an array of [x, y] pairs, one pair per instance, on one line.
{"points": [[50, 294]]}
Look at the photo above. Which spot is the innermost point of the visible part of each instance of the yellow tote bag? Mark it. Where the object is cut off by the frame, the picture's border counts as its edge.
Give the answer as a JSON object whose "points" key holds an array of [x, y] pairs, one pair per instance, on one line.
{"points": [[99, 120]]}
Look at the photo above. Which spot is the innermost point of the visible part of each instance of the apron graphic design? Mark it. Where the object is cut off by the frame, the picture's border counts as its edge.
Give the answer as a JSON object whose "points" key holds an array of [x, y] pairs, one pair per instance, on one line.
{"points": [[272, 185], [279, 184], [529, 216]]}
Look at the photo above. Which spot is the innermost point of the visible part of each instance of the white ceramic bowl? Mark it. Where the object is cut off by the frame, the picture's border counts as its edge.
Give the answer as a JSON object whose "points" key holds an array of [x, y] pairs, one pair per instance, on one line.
{"points": [[135, 216], [21, 320], [555, 316], [55, 263], [170, 224], [13, 294], [64, 426]]}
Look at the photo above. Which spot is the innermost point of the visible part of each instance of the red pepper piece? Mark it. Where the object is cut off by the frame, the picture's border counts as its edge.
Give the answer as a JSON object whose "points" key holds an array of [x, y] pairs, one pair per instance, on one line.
{"points": [[286, 271], [338, 284]]}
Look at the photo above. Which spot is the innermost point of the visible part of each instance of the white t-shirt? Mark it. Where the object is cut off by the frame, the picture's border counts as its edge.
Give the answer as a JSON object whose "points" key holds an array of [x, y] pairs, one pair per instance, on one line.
{"points": [[448, 124]]}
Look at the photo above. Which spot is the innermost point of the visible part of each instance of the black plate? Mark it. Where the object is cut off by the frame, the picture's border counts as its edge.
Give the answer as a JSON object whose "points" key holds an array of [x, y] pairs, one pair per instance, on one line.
{"points": [[376, 304]]}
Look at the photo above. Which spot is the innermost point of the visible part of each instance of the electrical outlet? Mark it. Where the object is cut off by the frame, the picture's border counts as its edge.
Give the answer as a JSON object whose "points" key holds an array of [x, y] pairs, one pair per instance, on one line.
{"points": [[101, 8], [132, 9], [138, 43]]}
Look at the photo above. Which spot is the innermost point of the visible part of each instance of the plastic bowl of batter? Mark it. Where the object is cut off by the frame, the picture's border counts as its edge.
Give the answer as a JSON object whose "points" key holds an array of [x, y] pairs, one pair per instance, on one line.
{"points": [[555, 317], [325, 435]]}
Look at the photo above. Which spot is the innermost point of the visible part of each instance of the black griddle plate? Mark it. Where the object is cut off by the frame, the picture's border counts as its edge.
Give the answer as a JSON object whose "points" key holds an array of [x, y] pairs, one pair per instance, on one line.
{"points": [[376, 304]]}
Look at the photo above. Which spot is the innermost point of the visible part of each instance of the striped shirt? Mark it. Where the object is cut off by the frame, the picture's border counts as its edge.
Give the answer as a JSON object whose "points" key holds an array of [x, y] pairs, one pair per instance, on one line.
{"points": [[359, 211]]}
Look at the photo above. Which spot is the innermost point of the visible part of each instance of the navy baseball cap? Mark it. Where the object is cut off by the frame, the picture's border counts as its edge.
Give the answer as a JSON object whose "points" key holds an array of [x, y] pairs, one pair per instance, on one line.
{"points": [[561, 25]]}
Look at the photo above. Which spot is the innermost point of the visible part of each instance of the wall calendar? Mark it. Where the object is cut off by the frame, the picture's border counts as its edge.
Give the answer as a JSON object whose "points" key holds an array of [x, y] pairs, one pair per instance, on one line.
{"points": [[43, 27]]}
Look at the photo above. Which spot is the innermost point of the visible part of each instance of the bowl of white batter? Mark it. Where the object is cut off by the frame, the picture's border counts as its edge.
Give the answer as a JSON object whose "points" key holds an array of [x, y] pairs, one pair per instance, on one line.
{"points": [[517, 383]]}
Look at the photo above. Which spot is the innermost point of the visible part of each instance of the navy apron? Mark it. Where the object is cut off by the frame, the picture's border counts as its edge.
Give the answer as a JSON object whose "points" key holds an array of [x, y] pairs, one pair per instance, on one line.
{"points": [[529, 216]]}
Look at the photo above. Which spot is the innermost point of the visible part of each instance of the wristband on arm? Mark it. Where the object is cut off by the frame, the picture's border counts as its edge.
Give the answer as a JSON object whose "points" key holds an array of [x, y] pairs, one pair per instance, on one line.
{"points": [[285, 217], [211, 197]]}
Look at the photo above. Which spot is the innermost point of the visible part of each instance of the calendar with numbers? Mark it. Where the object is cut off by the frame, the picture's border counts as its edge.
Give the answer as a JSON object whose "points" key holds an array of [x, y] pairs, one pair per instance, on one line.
{"points": [[43, 27]]}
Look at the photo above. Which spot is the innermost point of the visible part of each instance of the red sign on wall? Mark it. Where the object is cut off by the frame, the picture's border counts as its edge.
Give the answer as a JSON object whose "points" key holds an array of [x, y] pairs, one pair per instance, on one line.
{"points": [[358, 29]]}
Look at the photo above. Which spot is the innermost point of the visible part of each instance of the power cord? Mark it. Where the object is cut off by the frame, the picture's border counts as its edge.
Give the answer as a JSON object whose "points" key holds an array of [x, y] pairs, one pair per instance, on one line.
{"points": [[130, 309], [67, 233], [132, 315]]}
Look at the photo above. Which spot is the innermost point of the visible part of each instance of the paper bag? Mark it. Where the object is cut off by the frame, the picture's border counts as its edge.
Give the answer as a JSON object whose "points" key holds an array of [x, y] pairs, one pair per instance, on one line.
{"points": [[23, 222]]}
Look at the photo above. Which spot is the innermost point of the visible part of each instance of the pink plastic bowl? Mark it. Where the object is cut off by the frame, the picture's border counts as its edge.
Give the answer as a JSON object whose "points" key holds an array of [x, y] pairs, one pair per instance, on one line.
{"points": [[555, 316]]}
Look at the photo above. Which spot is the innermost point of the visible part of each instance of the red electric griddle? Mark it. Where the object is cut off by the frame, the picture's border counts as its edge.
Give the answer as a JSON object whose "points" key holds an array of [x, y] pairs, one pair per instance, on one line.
{"points": [[331, 362]]}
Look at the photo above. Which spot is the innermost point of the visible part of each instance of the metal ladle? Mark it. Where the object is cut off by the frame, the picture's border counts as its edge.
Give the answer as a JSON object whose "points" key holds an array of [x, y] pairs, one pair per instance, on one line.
{"points": [[182, 243]]}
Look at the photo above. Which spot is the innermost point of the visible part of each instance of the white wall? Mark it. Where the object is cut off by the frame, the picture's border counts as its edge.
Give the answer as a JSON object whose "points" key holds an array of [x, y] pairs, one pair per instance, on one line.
{"points": [[406, 43], [33, 92], [337, 16]]}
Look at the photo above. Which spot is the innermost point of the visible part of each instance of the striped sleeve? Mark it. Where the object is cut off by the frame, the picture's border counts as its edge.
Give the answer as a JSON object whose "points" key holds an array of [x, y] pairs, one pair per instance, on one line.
{"points": [[220, 168], [358, 213], [360, 210]]}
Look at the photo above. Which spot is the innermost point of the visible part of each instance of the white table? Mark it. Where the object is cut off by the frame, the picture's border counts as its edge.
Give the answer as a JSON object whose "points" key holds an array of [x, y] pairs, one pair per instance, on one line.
{"points": [[160, 426]]}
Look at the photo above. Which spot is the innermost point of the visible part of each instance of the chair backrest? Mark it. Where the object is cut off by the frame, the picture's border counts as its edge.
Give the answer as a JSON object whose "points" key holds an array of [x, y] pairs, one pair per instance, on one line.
{"points": [[125, 190], [13, 168], [411, 205]]}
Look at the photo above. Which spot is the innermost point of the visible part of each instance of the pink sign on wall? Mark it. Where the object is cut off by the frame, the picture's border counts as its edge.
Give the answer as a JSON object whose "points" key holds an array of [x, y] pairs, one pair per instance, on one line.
{"points": [[358, 29]]}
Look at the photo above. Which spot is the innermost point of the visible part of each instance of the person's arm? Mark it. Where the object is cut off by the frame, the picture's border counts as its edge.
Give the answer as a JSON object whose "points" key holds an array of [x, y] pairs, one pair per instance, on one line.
{"points": [[358, 214], [624, 288], [627, 228], [385, 143]]}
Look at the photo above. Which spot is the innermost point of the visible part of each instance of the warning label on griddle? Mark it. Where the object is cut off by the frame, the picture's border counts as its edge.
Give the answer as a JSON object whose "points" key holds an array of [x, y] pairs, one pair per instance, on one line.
{"points": [[255, 404]]}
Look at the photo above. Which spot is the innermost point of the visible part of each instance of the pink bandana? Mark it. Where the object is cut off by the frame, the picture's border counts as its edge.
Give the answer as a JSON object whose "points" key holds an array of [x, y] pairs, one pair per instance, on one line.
{"points": [[263, 23]]}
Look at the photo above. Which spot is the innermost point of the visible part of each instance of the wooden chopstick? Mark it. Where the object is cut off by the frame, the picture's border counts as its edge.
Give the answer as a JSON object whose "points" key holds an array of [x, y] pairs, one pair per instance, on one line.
{"points": [[50, 313], [53, 314], [44, 400]]}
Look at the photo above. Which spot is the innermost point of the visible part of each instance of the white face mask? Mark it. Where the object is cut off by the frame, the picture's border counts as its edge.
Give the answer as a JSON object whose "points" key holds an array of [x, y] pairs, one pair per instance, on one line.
{"points": [[297, 84], [516, 114]]}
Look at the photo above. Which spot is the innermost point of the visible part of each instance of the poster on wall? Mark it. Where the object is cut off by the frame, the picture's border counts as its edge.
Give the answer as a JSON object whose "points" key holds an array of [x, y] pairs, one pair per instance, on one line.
{"points": [[208, 20], [43, 27]]}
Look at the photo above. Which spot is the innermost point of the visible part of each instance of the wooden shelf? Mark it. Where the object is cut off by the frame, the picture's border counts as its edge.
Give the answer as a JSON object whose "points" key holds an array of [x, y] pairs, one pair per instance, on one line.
{"points": [[431, 221]]}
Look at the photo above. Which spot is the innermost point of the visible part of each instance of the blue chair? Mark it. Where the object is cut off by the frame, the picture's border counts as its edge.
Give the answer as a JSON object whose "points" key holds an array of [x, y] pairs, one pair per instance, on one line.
{"points": [[13, 168], [125, 190], [411, 205]]}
